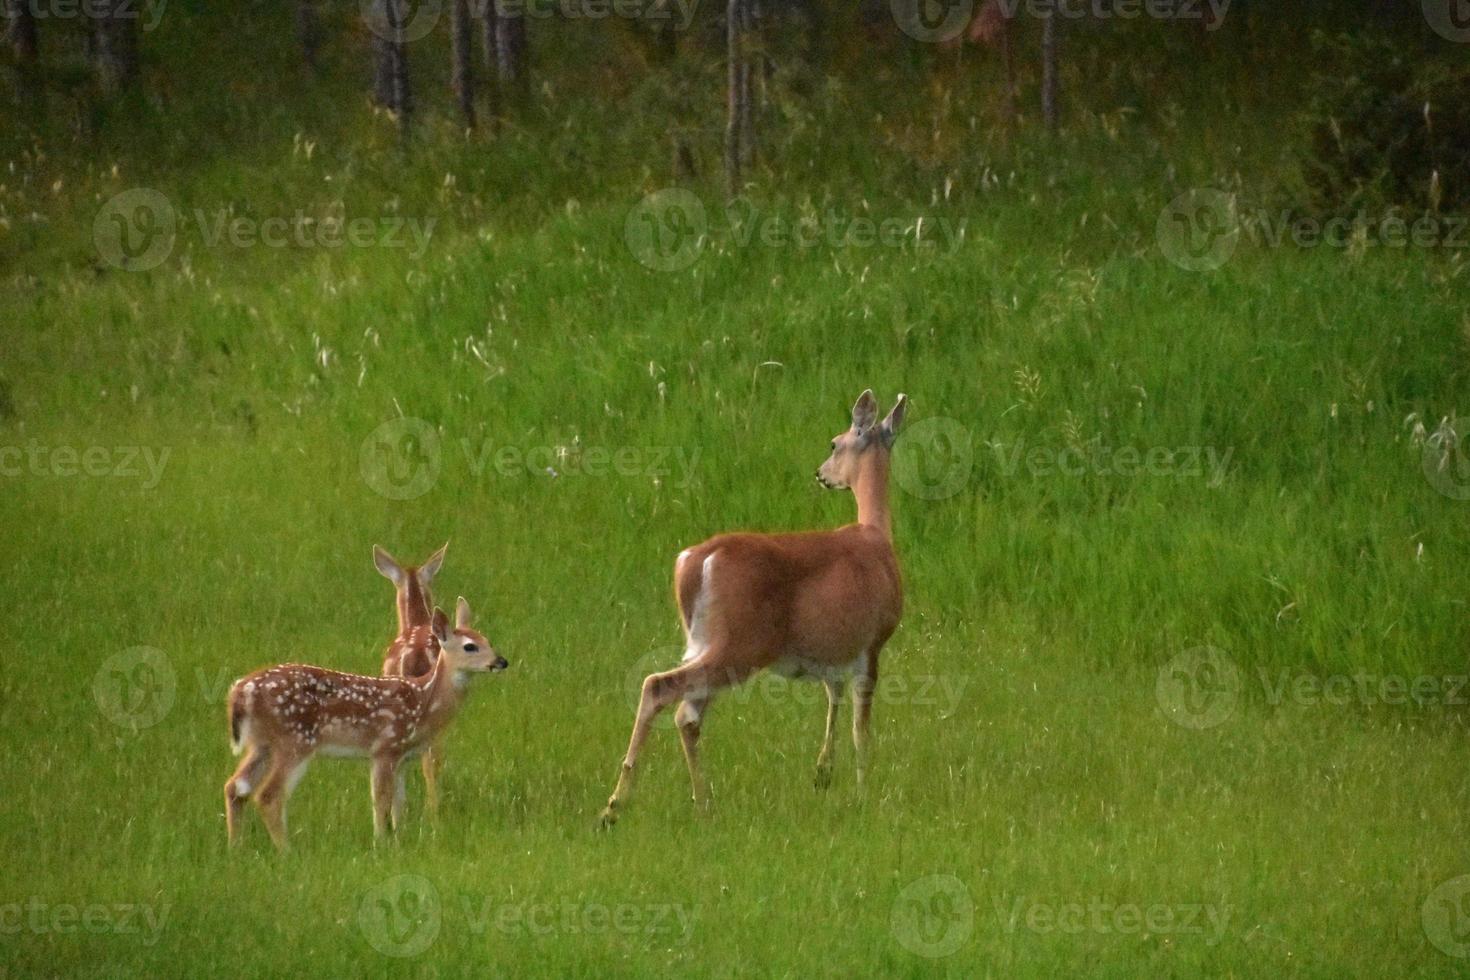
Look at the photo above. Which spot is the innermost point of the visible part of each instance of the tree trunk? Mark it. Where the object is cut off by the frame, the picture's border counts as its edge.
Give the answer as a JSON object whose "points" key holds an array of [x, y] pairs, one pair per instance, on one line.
{"points": [[116, 49], [309, 32], [748, 34], [25, 47], [22, 30], [463, 69], [510, 50], [1049, 70], [734, 18], [392, 82], [1008, 60], [488, 32]]}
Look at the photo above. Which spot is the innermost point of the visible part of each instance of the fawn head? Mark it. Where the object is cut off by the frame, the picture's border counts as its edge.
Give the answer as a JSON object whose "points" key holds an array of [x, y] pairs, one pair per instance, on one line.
{"points": [[866, 437], [463, 649], [412, 583]]}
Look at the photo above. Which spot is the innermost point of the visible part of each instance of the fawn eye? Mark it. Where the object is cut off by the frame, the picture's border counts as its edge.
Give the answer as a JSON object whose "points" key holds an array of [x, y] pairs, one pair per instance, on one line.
{"points": [[834, 445], [470, 648]]}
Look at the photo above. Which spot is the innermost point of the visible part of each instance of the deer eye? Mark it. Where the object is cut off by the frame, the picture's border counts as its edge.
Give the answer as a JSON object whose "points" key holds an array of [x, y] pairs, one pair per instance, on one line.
{"points": [[834, 445], [470, 648]]}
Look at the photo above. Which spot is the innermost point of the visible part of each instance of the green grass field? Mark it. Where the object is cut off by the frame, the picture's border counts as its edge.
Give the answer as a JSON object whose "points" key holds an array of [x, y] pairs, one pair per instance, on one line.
{"points": [[1181, 676]]}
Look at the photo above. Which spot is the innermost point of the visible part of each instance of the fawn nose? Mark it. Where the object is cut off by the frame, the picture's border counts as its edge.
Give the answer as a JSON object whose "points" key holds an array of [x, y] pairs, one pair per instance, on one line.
{"points": [[500, 663]]}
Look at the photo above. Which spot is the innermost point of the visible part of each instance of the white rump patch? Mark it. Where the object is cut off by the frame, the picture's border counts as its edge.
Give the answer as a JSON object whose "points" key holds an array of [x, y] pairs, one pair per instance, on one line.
{"points": [[699, 619]]}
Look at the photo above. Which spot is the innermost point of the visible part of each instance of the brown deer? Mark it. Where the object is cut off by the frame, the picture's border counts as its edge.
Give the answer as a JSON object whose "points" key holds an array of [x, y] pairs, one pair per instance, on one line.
{"points": [[282, 716], [413, 650], [818, 605]]}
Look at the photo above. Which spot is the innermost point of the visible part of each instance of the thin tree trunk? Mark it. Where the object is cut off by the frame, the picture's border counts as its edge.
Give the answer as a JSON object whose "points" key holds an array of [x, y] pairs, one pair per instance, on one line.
{"points": [[749, 38], [22, 30], [734, 17], [510, 49], [1049, 70], [488, 33], [26, 48], [463, 67], [117, 45], [398, 67], [1008, 59], [309, 32]]}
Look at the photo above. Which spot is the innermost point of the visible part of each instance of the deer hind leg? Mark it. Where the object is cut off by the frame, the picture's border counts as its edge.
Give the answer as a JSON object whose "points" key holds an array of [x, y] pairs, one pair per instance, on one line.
{"points": [[384, 787], [692, 681], [399, 796], [275, 790], [824, 758], [432, 763], [239, 787], [689, 717], [863, 685]]}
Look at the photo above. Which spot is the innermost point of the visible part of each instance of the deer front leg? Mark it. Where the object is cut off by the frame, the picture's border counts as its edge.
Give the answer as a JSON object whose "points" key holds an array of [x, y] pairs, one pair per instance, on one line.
{"points": [[689, 718], [431, 764], [863, 686], [384, 787], [824, 758]]}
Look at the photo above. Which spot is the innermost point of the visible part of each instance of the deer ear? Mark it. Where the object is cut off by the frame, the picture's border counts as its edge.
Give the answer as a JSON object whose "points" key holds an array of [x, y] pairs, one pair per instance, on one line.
{"points": [[440, 625], [430, 568], [864, 412], [894, 421], [385, 564], [462, 614]]}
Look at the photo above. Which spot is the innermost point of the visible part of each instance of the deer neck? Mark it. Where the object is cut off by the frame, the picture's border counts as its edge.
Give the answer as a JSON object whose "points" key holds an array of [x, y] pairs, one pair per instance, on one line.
{"points": [[442, 694], [413, 604], [871, 490]]}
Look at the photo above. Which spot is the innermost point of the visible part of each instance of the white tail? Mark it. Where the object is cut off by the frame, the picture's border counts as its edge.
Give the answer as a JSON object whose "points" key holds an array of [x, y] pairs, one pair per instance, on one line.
{"points": [[414, 649], [817, 605], [282, 716]]}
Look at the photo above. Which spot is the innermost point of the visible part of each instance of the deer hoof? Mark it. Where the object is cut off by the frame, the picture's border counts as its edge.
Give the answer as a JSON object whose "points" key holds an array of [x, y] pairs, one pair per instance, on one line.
{"points": [[823, 778]]}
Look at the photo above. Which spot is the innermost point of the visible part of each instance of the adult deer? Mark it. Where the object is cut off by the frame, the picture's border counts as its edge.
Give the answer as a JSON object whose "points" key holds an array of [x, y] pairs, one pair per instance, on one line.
{"points": [[414, 650], [818, 605], [282, 716]]}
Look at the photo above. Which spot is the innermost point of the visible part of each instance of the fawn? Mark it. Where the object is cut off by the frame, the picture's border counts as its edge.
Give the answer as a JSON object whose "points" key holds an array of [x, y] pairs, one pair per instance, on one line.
{"points": [[414, 649], [282, 716]]}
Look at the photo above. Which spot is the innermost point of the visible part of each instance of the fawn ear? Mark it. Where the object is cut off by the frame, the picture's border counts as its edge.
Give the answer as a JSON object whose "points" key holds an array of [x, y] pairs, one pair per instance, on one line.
{"points": [[430, 568], [462, 614], [440, 625], [391, 570], [894, 421], [864, 412]]}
